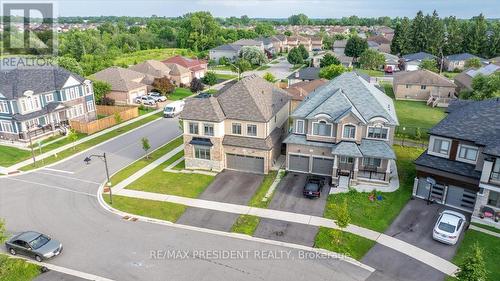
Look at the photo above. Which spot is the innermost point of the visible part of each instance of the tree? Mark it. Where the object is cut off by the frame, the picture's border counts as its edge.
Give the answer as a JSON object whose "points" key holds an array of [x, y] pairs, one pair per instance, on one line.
{"points": [[3, 232], [146, 146], [484, 87], [419, 33], [329, 59], [210, 78], [196, 85], [117, 117], [254, 55], [303, 51], [371, 59], [435, 34], [243, 65], [287, 33], [473, 266], [454, 37], [163, 85], [198, 31], [401, 43], [476, 38], [299, 19], [429, 64], [264, 29], [473, 62], [295, 56], [70, 64], [342, 215], [332, 71], [73, 137], [224, 61], [268, 76], [494, 40], [355, 46], [101, 88]]}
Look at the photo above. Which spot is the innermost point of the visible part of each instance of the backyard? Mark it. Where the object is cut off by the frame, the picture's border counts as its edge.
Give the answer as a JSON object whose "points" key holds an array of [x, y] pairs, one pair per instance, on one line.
{"points": [[179, 94], [154, 54]]}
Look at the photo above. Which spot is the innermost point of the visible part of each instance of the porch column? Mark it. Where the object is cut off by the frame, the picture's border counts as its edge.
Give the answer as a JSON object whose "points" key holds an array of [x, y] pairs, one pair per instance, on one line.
{"points": [[355, 169], [335, 166], [388, 170], [415, 186], [481, 200]]}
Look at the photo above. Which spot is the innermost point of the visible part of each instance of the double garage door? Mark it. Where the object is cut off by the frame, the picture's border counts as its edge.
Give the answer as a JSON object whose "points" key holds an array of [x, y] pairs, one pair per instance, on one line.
{"points": [[454, 196], [319, 166], [245, 163]]}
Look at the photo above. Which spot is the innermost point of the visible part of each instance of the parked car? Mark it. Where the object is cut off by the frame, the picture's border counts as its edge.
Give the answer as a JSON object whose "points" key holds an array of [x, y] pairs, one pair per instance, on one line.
{"points": [[34, 244], [147, 100], [203, 96], [173, 109], [449, 226], [157, 96], [313, 187]]}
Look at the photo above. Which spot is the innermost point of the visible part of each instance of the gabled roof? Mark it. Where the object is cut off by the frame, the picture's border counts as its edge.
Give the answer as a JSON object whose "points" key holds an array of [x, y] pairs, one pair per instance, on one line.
{"points": [[247, 42], [207, 109], [418, 56], [379, 39], [152, 67], [121, 79], [177, 69], [485, 70], [227, 47], [349, 92], [339, 43], [421, 77], [306, 73], [185, 62], [347, 148], [299, 91], [463, 57], [15, 82]]}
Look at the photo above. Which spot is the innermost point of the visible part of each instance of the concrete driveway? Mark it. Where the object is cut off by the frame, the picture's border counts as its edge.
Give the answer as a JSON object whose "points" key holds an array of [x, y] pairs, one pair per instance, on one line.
{"points": [[413, 225], [288, 197], [228, 187]]}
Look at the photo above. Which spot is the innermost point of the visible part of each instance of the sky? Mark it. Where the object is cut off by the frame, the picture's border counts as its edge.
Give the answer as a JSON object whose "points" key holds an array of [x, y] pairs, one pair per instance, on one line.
{"points": [[279, 8]]}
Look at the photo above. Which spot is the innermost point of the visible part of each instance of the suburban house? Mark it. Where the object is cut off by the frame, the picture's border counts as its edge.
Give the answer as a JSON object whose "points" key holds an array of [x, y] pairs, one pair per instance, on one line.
{"points": [[280, 43], [464, 79], [241, 128], [152, 69], [344, 60], [299, 91], [229, 51], [197, 67], [297, 40], [339, 46], [179, 75], [379, 43], [424, 85], [317, 43], [126, 84], [268, 44], [249, 43], [391, 62], [37, 101], [304, 74], [412, 61], [344, 130], [457, 61], [461, 166]]}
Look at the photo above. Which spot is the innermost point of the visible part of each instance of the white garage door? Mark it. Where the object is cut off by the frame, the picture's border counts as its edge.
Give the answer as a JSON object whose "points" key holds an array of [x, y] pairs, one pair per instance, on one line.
{"points": [[298, 163], [245, 163]]}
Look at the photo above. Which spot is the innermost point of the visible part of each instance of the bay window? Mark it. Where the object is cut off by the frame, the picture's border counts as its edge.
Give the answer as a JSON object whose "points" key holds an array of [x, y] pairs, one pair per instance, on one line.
{"points": [[202, 152]]}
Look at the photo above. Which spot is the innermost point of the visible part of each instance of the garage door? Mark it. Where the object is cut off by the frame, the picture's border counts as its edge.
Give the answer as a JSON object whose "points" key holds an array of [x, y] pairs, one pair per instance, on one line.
{"points": [[322, 166], [460, 197], [245, 163], [298, 163]]}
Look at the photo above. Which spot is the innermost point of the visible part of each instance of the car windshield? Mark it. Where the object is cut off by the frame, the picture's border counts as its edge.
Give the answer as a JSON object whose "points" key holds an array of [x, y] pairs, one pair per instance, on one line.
{"points": [[39, 241], [446, 227], [169, 109], [312, 186]]}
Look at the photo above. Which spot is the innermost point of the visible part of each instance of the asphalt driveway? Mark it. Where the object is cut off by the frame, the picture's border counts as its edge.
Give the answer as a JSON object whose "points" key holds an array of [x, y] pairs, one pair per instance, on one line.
{"points": [[413, 225], [288, 197], [228, 187]]}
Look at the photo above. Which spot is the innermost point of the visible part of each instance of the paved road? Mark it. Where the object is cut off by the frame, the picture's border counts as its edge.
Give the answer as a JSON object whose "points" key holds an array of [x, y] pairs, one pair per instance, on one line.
{"points": [[64, 205]]}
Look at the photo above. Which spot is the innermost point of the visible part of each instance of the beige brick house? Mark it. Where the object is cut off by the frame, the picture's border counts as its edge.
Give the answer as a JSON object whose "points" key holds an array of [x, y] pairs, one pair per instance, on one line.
{"points": [[424, 85], [126, 84], [240, 129]]}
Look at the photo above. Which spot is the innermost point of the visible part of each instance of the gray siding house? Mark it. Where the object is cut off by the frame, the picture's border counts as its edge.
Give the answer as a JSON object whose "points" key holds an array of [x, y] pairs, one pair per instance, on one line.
{"points": [[37, 101]]}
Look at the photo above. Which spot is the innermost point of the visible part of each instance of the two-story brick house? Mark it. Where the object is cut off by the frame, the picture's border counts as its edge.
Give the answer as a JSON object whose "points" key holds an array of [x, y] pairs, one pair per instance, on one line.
{"points": [[37, 101], [239, 129], [344, 130], [461, 167]]}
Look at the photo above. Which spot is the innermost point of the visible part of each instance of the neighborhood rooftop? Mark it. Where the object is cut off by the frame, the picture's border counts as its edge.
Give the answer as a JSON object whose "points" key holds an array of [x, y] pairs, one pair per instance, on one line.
{"points": [[422, 77]]}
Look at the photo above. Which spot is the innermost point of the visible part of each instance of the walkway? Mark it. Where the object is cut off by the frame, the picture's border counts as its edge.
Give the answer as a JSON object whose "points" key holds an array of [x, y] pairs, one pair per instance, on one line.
{"points": [[393, 243]]}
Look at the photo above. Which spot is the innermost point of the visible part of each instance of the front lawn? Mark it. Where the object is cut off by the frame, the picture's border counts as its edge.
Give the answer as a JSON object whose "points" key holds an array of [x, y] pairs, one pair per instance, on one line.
{"points": [[179, 94], [180, 184], [490, 246], [343, 242], [372, 73], [148, 208], [225, 76], [153, 54], [378, 215], [15, 269], [487, 227]]}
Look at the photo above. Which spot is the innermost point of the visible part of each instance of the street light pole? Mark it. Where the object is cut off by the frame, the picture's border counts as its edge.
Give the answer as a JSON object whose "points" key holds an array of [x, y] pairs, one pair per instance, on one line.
{"points": [[108, 182]]}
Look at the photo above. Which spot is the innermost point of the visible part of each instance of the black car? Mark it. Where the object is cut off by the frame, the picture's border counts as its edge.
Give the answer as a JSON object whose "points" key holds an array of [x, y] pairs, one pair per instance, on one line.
{"points": [[313, 187]]}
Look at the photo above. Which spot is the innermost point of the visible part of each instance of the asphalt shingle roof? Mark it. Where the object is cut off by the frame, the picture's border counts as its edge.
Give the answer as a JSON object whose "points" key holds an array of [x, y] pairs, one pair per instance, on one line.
{"points": [[307, 73], [418, 56], [421, 77], [207, 109], [462, 57], [376, 149], [301, 139], [121, 79], [347, 148], [447, 165]]}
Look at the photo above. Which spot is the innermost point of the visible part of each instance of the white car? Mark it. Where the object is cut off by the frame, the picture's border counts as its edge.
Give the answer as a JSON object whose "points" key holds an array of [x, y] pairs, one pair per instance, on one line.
{"points": [[157, 96], [147, 100], [448, 227]]}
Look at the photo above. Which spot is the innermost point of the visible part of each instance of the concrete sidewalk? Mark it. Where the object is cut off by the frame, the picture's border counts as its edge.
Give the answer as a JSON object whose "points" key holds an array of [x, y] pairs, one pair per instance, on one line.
{"points": [[393, 243]]}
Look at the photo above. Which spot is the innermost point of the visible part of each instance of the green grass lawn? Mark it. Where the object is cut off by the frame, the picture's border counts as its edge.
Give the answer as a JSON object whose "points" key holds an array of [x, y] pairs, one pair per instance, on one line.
{"points": [[87, 144], [450, 75], [223, 67], [143, 162], [487, 227], [490, 246], [246, 224], [211, 91], [379, 215], [145, 110], [15, 269], [180, 166], [372, 73], [153, 54], [263, 67], [342, 242], [225, 76], [147, 208], [180, 93], [158, 181]]}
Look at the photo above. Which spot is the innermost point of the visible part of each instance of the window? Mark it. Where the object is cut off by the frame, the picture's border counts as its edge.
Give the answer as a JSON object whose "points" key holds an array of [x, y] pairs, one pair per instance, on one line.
{"points": [[79, 109], [494, 199], [237, 128], [322, 128], [495, 173], [378, 132], [407, 86], [299, 127], [374, 162], [6, 126], [208, 129], [349, 131], [193, 128], [4, 107], [202, 152], [346, 160], [441, 146], [88, 89], [423, 87], [252, 130], [468, 153], [30, 103], [49, 98], [90, 106]]}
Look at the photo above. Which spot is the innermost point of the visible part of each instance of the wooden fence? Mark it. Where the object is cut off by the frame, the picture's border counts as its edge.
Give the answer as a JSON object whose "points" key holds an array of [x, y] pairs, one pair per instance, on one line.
{"points": [[125, 112]]}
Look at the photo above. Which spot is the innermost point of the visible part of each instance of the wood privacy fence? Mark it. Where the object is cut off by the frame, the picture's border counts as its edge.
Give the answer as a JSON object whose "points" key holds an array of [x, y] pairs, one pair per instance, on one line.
{"points": [[125, 112]]}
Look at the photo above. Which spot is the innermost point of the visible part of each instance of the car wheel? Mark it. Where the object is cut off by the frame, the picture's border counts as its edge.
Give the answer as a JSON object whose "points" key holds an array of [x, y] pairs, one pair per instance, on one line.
{"points": [[38, 258], [13, 251]]}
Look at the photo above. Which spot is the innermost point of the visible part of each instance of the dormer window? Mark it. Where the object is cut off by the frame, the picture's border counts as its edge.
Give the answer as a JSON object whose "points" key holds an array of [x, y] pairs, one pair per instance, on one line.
{"points": [[378, 132], [467, 153], [30, 103], [322, 128], [349, 132], [441, 146]]}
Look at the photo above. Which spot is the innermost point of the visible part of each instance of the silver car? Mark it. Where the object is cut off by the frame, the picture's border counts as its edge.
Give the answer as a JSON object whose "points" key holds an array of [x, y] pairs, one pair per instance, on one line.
{"points": [[35, 245]]}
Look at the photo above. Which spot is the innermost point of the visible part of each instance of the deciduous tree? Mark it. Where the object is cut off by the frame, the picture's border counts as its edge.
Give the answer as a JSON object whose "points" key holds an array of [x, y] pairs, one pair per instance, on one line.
{"points": [[254, 55], [371, 59], [295, 56], [328, 59], [196, 85], [332, 71], [268, 76], [355, 46], [101, 88], [429, 64], [473, 266], [473, 62], [163, 85], [210, 78], [145, 146]]}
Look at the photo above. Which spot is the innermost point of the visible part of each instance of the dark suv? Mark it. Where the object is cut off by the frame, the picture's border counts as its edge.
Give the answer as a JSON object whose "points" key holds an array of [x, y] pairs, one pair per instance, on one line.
{"points": [[313, 187]]}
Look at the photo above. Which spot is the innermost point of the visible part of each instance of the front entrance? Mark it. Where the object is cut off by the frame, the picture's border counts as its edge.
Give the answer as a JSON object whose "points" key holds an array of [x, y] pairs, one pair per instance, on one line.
{"points": [[245, 163]]}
